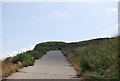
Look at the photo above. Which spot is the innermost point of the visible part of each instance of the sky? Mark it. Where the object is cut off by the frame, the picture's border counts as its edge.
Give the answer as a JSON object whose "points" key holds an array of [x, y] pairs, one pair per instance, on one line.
{"points": [[25, 24]]}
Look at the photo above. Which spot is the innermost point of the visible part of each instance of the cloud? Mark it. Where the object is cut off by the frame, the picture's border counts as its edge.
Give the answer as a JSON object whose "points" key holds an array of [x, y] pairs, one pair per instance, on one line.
{"points": [[13, 53], [26, 49], [111, 10], [117, 25]]}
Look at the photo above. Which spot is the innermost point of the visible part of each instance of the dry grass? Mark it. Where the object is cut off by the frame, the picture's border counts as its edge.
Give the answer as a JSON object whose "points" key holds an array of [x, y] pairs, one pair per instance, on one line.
{"points": [[0, 67], [98, 61], [8, 67], [0, 70], [12, 64]]}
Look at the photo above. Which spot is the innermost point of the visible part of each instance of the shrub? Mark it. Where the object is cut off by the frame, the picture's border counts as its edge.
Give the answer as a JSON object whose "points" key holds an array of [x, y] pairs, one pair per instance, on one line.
{"points": [[84, 65], [97, 58], [24, 58], [44, 50], [36, 54]]}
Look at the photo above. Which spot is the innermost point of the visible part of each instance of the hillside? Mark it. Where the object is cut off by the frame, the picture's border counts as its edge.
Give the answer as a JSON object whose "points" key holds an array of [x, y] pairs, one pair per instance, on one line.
{"points": [[0, 70], [95, 58], [92, 59]]}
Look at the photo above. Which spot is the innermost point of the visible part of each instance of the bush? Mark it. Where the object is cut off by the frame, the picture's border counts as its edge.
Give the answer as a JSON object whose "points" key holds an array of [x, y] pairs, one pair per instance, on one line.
{"points": [[24, 58], [27, 58], [84, 65], [36, 54], [44, 50], [97, 58]]}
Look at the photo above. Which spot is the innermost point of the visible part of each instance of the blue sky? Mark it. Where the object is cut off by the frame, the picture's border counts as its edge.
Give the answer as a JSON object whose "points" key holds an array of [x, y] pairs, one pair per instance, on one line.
{"points": [[27, 23]]}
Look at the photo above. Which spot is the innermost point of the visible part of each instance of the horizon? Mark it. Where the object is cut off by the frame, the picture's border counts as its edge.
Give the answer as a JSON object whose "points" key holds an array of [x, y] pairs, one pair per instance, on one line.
{"points": [[32, 47], [26, 24]]}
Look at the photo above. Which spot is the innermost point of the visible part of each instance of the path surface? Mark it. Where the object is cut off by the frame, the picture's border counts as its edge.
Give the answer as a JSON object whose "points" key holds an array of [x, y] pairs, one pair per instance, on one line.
{"points": [[53, 65]]}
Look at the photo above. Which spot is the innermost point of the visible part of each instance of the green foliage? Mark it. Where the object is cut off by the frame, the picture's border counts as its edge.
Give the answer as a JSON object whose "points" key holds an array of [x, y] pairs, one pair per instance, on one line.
{"points": [[44, 50], [24, 58], [35, 54], [85, 65], [50, 46], [28, 58], [97, 58]]}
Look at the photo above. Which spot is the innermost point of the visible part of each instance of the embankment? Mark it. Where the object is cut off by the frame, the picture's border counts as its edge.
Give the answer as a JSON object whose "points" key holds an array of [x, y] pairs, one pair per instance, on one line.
{"points": [[95, 59]]}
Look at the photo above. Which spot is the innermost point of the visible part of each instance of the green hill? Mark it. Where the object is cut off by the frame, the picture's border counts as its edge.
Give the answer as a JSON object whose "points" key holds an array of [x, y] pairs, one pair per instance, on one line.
{"points": [[96, 59], [92, 59]]}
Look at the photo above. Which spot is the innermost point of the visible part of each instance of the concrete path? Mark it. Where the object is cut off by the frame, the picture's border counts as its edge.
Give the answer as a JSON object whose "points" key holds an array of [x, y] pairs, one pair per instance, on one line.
{"points": [[53, 65]]}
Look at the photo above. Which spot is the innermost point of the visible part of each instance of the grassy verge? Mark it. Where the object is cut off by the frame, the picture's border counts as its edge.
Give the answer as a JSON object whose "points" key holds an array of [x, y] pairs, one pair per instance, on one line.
{"points": [[25, 59], [8, 67], [0, 70], [92, 59], [95, 60]]}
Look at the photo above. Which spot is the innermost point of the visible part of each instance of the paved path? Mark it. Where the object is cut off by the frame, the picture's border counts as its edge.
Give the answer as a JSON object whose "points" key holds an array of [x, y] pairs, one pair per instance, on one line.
{"points": [[53, 65]]}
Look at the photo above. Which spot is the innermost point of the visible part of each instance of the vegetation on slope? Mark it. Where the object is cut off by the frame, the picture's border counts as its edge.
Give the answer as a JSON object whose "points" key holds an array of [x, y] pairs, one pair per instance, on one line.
{"points": [[50, 46], [8, 67], [95, 58], [13, 64], [0, 70]]}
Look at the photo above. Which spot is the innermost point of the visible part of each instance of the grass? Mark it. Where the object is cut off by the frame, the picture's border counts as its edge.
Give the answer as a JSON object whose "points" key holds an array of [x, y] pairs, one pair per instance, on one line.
{"points": [[50, 46], [0, 70], [8, 67], [25, 59], [95, 60], [92, 59]]}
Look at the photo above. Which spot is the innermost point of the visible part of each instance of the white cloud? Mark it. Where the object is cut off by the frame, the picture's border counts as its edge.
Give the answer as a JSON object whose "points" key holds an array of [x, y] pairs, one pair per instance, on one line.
{"points": [[26, 49], [117, 25], [111, 10], [13, 53]]}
